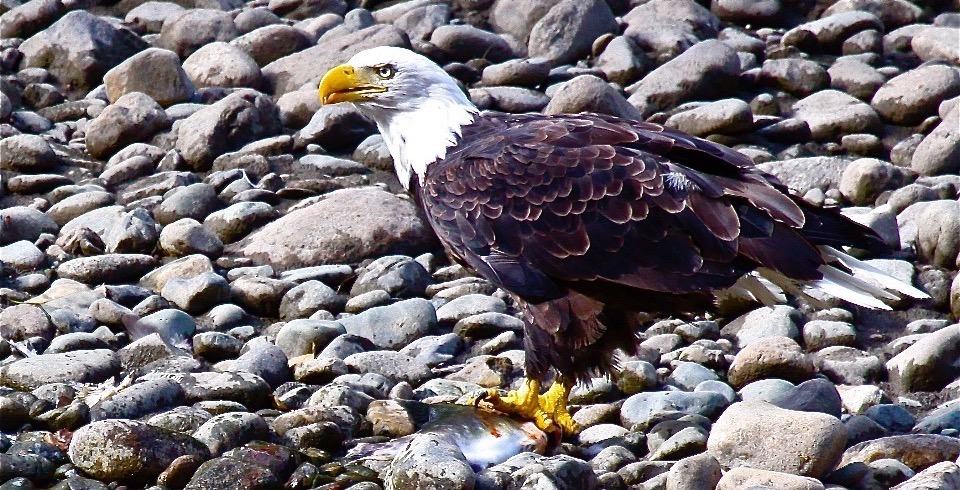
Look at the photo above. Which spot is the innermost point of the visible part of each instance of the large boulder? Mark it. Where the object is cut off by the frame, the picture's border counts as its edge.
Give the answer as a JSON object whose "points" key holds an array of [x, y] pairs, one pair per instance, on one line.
{"points": [[238, 119], [79, 49], [346, 226]]}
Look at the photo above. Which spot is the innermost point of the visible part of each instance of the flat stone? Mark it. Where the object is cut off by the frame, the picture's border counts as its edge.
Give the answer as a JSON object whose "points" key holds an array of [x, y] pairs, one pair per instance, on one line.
{"points": [[393, 326], [220, 64], [431, 461], [644, 408], [464, 42], [22, 256], [588, 93], [743, 477], [917, 451], [138, 400], [27, 152], [803, 174], [89, 366], [23, 321], [184, 268], [728, 116], [109, 268], [831, 114], [187, 31], [775, 321], [937, 43], [134, 117], [940, 475], [770, 357], [828, 33], [344, 227]]}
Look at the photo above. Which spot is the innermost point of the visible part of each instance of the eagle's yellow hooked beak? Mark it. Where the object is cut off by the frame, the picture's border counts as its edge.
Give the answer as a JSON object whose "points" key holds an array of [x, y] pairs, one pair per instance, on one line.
{"points": [[345, 84]]}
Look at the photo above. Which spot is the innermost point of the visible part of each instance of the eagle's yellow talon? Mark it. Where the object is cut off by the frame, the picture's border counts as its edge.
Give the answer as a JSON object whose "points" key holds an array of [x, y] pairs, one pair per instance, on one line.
{"points": [[548, 411], [554, 403]]}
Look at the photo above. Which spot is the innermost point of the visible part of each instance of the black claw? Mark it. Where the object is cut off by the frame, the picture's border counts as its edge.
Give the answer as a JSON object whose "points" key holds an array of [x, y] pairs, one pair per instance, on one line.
{"points": [[481, 397]]}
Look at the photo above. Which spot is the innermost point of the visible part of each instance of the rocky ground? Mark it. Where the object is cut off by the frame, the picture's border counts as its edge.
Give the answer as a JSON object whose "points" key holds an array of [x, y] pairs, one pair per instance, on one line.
{"points": [[207, 280]]}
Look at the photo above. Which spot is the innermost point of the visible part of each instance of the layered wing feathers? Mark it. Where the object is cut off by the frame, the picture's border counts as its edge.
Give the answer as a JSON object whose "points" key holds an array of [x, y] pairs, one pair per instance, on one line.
{"points": [[538, 203]]}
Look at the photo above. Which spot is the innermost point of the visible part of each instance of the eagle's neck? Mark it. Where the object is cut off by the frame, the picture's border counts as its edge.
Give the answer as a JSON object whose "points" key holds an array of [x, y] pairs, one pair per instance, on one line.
{"points": [[420, 135]]}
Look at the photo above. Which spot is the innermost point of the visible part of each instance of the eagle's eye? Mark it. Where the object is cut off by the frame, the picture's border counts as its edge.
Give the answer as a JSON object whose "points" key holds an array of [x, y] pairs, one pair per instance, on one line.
{"points": [[386, 71]]}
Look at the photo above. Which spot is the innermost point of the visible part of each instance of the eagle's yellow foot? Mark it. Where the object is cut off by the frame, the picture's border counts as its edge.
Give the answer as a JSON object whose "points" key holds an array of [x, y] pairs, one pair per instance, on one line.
{"points": [[548, 410]]}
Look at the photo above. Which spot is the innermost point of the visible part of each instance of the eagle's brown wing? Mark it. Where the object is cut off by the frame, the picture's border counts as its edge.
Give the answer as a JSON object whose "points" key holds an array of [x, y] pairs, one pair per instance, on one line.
{"points": [[539, 204]]}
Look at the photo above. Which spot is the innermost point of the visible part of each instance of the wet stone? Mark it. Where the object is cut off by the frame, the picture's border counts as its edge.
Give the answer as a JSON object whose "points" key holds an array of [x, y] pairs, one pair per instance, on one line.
{"points": [[128, 450]]}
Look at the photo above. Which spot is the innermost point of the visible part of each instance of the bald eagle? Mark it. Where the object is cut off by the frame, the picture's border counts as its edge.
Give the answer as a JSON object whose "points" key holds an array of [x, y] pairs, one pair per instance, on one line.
{"points": [[587, 219]]}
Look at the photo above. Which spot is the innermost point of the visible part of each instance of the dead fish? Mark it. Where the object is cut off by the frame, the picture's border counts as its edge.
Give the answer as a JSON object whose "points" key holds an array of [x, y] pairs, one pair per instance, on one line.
{"points": [[485, 437]]}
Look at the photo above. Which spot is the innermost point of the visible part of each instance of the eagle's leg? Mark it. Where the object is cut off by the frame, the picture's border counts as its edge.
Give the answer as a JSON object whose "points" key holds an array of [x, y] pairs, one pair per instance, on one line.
{"points": [[548, 411]]}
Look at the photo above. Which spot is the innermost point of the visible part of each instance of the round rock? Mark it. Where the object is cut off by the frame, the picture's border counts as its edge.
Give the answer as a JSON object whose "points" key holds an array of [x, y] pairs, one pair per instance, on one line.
{"points": [[220, 64], [112, 450], [770, 357], [763, 436]]}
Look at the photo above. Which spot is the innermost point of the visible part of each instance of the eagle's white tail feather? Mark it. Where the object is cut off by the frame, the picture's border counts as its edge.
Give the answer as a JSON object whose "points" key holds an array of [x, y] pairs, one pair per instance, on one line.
{"points": [[872, 274], [763, 293], [837, 276], [783, 282], [866, 286], [840, 286]]}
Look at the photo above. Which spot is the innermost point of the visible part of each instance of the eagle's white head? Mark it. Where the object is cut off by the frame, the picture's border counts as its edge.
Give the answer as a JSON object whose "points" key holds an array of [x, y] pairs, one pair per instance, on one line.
{"points": [[418, 107]]}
